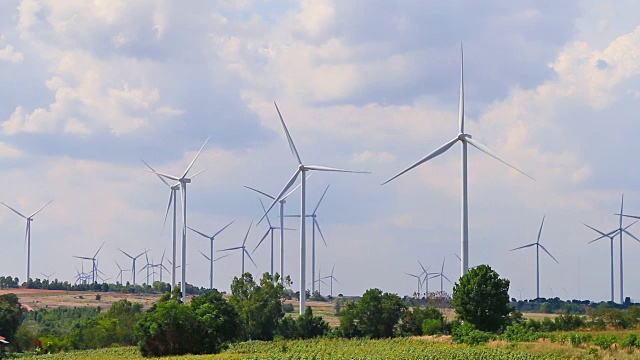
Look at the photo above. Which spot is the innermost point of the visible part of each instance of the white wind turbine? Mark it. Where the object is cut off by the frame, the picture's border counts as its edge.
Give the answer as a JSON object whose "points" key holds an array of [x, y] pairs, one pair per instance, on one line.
{"points": [[120, 271], [282, 201], [27, 235], [465, 139], [622, 230], [212, 261], [133, 267], [332, 278], [184, 180], [442, 277], [419, 278], [94, 267], [302, 169], [538, 246], [319, 281], [211, 239], [270, 230], [244, 249], [426, 278], [315, 225], [48, 276], [172, 199]]}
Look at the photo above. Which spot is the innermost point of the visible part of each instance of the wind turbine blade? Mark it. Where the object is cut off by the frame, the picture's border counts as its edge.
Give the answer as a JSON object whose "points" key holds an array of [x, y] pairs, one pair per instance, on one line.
{"points": [[317, 225], [319, 201], [221, 230], [630, 234], [247, 235], [458, 257], [336, 280], [132, 258], [292, 216], [166, 214], [231, 248], [159, 177], [540, 231], [292, 146], [423, 269], [461, 105], [412, 275], [522, 247], [629, 216], [118, 265], [199, 233], [144, 253], [545, 250], [198, 173], [170, 177], [487, 151], [446, 278], [442, 269], [333, 268], [295, 188], [260, 192], [82, 257], [14, 210], [433, 154], [596, 230], [250, 258], [284, 190], [100, 248], [327, 168], [265, 212], [195, 158], [261, 240], [208, 258], [220, 257], [628, 226], [37, 211]]}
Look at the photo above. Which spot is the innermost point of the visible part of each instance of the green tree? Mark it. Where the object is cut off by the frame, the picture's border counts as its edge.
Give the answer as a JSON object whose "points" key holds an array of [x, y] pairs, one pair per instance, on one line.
{"points": [[310, 326], [376, 315], [218, 322], [413, 321], [259, 306], [10, 315], [482, 299]]}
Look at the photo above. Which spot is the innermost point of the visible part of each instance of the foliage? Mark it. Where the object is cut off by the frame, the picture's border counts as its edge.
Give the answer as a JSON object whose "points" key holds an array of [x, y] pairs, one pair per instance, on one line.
{"points": [[376, 315], [629, 342], [568, 322], [604, 342], [482, 299], [466, 333], [521, 332], [62, 320], [259, 306], [310, 326], [10, 315], [431, 327], [413, 320], [288, 308], [205, 325]]}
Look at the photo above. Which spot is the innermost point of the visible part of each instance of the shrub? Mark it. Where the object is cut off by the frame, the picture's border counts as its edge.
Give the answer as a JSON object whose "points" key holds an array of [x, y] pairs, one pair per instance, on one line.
{"points": [[310, 326], [521, 332], [431, 326], [466, 333], [568, 322], [412, 323], [630, 341], [288, 308], [604, 342]]}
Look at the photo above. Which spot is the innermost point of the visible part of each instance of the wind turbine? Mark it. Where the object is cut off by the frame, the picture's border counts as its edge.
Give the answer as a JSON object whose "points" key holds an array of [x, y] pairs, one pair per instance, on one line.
{"points": [[47, 276], [315, 225], [244, 249], [211, 238], [332, 279], [302, 169], [442, 276], [465, 139], [120, 272], [172, 199], [320, 280], [94, 268], [133, 267], [538, 246], [611, 235], [419, 278], [282, 201], [184, 180], [270, 230], [622, 230], [212, 261], [27, 236]]}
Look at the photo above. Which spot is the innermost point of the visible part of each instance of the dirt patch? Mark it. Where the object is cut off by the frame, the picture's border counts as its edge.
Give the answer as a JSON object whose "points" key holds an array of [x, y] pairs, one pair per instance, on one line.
{"points": [[50, 299]]}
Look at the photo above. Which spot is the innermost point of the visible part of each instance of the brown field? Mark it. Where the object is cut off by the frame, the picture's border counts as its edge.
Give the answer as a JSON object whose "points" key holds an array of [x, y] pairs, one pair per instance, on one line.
{"points": [[39, 299]]}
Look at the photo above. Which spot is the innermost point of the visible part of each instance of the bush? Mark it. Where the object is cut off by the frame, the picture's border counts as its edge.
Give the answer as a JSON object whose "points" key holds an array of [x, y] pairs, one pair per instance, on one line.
{"points": [[412, 323], [466, 333], [431, 327], [604, 342], [310, 326], [630, 342], [288, 308], [568, 322], [376, 315], [521, 332]]}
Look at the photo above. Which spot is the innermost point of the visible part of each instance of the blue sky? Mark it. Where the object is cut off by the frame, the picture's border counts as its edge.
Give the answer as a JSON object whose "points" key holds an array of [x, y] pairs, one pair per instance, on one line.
{"points": [[89, 88]]}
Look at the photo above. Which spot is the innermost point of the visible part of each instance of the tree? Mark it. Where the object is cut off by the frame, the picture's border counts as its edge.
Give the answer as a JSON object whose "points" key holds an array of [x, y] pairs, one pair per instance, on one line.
{"points": [[413, 321], [218, 322], [10, 315], [259, 306], [376, 315], [482, 299], [310, 326]]}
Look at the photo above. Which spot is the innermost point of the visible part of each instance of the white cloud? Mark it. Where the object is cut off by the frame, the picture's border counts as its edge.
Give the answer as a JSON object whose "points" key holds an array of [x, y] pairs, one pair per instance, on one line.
{"points": [[10, 55]]}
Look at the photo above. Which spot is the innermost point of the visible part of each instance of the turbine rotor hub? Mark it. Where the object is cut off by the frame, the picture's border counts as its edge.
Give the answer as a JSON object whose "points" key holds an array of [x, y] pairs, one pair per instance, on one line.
{"points": [[463, 136]]}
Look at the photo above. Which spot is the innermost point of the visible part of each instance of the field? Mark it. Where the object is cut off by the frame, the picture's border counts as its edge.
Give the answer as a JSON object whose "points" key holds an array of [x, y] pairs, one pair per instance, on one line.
{"points": [[40, 299]]}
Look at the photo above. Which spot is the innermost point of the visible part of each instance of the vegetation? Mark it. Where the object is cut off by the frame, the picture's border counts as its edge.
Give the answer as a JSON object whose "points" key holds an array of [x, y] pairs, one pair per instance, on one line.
{"points": [[375, 316], [10, 315]]}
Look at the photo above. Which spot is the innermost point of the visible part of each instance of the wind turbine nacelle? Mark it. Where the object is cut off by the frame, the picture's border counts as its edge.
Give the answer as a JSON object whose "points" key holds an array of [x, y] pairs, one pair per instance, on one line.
{"points": [[186, 181]]}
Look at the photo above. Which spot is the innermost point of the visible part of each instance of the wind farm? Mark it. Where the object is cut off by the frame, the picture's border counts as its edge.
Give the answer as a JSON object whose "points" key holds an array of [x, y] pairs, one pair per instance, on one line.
{"points": [[456, 147]]}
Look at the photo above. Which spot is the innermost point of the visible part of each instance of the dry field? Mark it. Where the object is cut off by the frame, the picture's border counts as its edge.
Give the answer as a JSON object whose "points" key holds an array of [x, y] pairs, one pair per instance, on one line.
{"points": [[39, 299]]}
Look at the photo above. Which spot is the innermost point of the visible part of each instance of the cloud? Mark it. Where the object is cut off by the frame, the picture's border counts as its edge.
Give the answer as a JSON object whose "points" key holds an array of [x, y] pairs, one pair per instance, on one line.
{"points": [[10, 55]]}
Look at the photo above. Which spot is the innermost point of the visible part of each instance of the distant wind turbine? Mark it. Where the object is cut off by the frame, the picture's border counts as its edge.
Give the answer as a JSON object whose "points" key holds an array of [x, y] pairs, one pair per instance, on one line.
{"points": [[133, 267], [184, 180], [622, 230], [332, 278], [27, 235], [48, 276], [94, 267], [538, 246], [243, 249], [211, 239], [270, 230], [442, 277], [465, 139], [302, 169]]}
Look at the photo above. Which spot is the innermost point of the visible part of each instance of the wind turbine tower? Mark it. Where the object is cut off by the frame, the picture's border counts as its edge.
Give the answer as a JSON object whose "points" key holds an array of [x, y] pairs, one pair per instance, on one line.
{"points": [[211, 239]]}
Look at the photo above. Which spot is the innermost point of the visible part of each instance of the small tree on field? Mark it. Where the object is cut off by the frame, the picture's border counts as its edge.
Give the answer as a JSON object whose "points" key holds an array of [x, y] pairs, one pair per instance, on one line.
{"points": [[482, 299], [376, 315]]}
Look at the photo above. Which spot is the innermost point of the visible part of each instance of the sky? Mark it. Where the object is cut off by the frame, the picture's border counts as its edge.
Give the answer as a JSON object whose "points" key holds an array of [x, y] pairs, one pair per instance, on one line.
{"points": [[88, 88]]}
